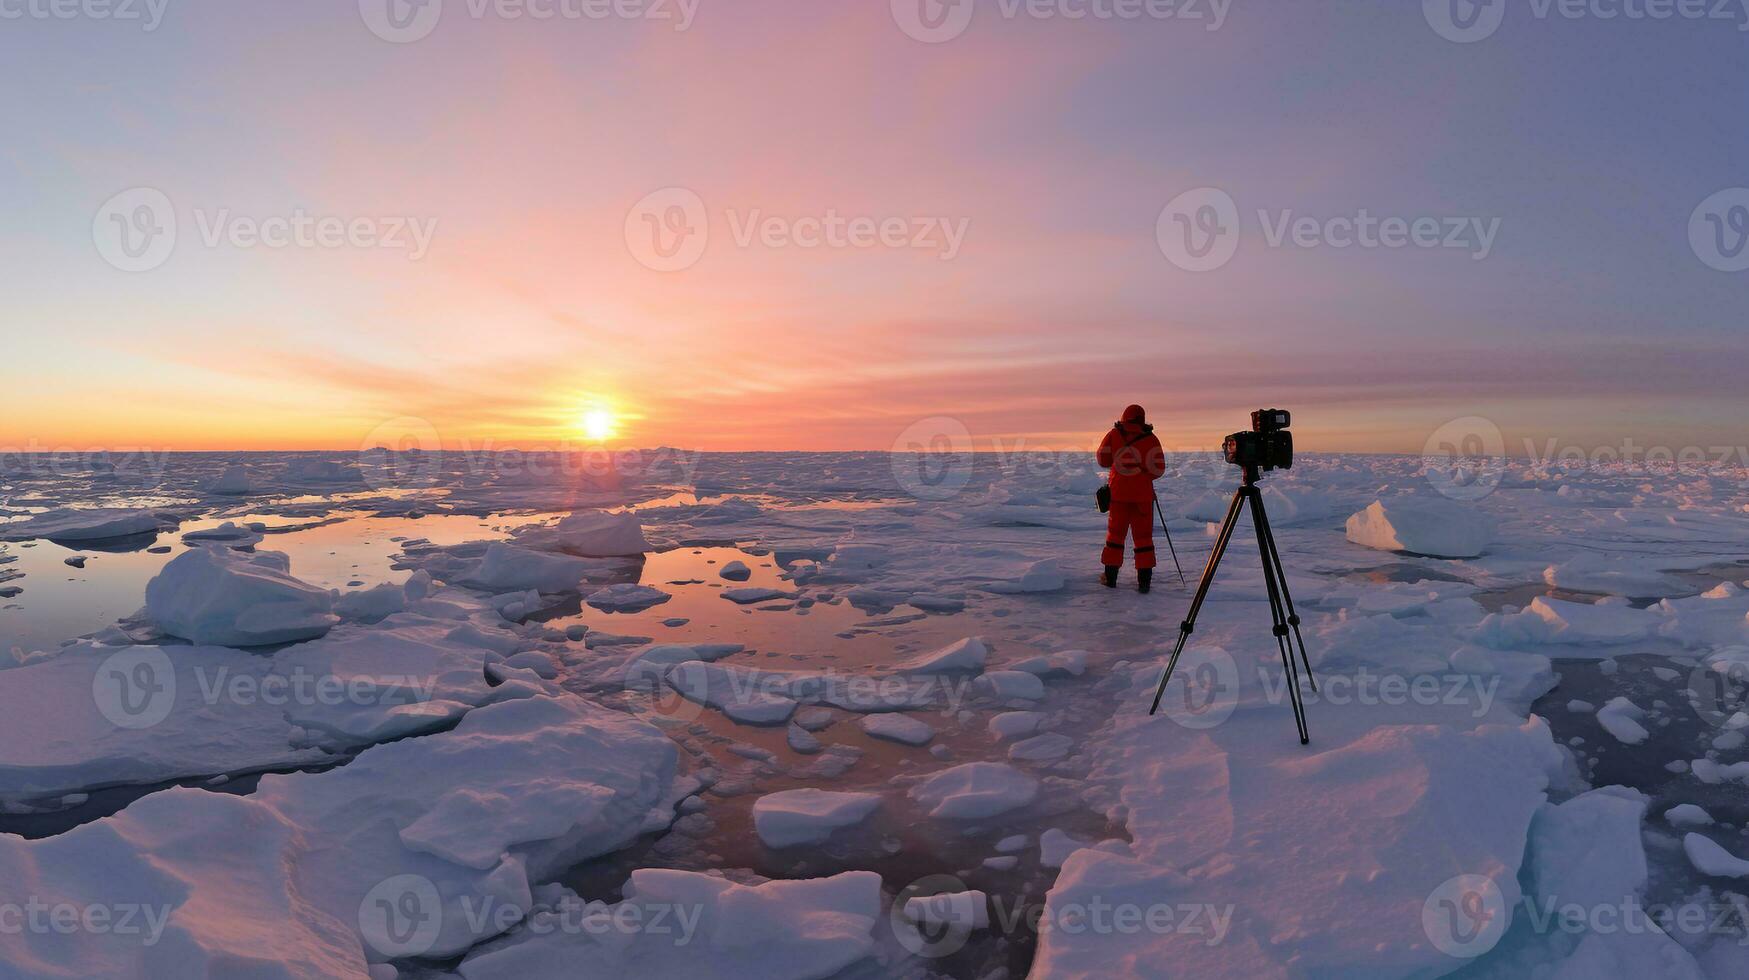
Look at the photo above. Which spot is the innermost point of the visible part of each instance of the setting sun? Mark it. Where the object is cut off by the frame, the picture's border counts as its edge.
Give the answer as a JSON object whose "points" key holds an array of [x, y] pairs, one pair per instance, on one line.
{"points": [[598, 424]]}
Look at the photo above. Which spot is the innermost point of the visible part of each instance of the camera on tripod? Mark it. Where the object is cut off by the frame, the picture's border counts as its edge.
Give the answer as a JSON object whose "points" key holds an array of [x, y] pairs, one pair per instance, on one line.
{"points": [[1268, 446]]}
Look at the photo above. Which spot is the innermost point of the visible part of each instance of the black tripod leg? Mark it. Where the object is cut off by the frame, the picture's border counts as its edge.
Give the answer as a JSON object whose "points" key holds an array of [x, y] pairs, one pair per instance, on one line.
{"points": [[1202, 592], [1293, 618], [1169, 545], [1278, 617]]}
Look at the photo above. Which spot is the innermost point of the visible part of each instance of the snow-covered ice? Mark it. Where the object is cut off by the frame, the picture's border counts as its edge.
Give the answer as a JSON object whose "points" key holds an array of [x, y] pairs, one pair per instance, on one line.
{"points": [[1710, 858], [777, 930], [808, 816], [1422, 526], [974, 791], [88, 524], [898, 728], [589, 533], [516, 728], [218, 597], [967, 655]]}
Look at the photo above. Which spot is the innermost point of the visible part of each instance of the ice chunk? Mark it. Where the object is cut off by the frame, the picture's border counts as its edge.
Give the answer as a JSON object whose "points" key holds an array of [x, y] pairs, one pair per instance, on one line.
{"points": [[1709, 858], [1013, 724], [808, 816], [311, 870], [88, 524], [627, 597], [1595, 573], [974, 791], [967, 654], [1688, 815], [217, 597], [589, 533], [1042, 748], [1577, 624], [1587, 851], [1009, 685], [748, 596], [735, 571], [1621, 718], [100, 716], [1397, 820], [235, 482], [419, 674], [898, 728], [1054, 848], [372, 605], [506, 568], [1714, 773], [1040, 576], [1422, 526], [749, 696], [802, 741], [780, 930], [229, 534]]}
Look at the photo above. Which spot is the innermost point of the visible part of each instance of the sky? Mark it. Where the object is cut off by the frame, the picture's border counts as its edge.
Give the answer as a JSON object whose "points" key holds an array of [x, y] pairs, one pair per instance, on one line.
{"points": [[778, 224]]}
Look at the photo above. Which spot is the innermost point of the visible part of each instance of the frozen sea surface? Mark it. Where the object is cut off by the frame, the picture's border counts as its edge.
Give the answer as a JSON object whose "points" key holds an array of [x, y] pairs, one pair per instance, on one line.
{"points": [[1471, 715]]}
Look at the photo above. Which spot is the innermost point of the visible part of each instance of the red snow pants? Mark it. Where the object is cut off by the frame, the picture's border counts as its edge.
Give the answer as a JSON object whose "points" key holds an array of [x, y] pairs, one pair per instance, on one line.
{"points": [[1135, 518]]}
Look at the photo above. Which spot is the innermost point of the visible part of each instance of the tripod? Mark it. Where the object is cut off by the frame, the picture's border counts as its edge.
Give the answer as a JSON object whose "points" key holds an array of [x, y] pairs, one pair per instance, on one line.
{"points": [[1168, 532], [1281, 605]]}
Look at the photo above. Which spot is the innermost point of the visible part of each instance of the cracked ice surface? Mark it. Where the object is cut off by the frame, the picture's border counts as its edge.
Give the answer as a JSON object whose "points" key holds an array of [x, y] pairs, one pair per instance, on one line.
{"points": [[541, 746]]}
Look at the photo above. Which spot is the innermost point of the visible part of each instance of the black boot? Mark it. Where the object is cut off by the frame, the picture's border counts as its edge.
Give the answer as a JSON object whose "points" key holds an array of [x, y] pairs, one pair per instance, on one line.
{"points": [[1110, 579], [1144, 578]]}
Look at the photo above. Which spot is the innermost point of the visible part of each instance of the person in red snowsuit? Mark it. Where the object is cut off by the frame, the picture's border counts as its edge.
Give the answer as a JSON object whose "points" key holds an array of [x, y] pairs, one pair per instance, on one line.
{"points": [[1136, 459]]}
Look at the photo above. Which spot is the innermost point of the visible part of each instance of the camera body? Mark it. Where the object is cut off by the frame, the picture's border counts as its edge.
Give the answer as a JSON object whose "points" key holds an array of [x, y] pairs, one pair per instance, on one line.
{"points": [[1268, 446]]}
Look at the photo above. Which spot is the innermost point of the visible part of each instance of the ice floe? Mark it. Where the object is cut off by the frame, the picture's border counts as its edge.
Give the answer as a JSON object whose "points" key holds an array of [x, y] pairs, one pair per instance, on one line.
{"points": [[808, 816], [974, 791], [1421, 526], [88, 524], [218, 597]]}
